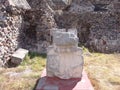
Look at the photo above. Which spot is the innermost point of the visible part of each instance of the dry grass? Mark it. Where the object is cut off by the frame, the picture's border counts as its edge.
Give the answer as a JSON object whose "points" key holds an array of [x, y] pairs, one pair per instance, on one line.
{"points": [[23, 77], [103, 71]]}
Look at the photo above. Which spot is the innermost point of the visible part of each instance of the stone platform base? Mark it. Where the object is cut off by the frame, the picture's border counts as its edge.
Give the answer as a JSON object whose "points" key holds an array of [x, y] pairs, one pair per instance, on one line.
{"points": [[54, 83]]}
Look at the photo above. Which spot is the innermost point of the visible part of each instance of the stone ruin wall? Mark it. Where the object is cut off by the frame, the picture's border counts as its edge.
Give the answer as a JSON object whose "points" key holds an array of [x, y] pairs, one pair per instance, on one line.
{"points": [[24, 27], [39, 20], [10, 30], [97, 22]]}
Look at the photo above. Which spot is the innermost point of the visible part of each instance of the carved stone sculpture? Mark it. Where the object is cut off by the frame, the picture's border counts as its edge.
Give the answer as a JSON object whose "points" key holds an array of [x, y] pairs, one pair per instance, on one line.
{"points": [[64, 57]]}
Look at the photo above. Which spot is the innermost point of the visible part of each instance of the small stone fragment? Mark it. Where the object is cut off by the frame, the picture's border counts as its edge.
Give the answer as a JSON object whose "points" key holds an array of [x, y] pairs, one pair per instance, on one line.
{"points": [[18, 56]]}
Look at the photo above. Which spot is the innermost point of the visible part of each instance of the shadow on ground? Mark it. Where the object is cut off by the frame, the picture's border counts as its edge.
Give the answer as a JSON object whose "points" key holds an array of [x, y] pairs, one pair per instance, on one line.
{"points": [[55, 83]]}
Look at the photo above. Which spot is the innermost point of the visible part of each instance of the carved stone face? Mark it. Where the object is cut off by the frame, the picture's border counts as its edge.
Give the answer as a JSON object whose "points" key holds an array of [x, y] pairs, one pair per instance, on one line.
{"points": [[65, 38]]}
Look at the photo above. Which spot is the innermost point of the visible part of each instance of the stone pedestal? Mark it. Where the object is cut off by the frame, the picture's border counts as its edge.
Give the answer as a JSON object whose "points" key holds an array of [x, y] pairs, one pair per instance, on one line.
{"points": [[64, 70], [54, 83], [64, 57]]}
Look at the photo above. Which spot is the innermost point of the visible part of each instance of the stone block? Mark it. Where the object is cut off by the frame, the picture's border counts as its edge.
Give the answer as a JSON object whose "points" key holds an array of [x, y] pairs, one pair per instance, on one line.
{"points": [[65, 64], [64, 57], [65, 38], [18, 56]]}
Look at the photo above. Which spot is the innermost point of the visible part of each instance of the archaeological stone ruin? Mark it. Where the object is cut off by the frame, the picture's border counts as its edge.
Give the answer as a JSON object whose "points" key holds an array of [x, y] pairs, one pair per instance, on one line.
{"points": [[64, 69], [64, 49], [27, 24]]}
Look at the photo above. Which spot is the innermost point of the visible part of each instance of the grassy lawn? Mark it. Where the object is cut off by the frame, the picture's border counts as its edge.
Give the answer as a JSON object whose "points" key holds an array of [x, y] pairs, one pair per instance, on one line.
{"points": [[103, 71]]}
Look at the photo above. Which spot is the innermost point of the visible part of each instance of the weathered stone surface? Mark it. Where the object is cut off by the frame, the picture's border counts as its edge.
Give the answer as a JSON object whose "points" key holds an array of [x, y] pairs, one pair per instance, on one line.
{"points": [[18, 56], [81, 7], [59, 4], [66, 39], [64, 58], [10, 29], [38, 22], [94, 20], [20, 4], [1, 63], [65, 65]]}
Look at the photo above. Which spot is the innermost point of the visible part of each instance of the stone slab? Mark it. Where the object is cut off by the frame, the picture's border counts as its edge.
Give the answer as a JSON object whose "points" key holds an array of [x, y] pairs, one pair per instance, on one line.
{"points": [[18, 56], [54, 83]]}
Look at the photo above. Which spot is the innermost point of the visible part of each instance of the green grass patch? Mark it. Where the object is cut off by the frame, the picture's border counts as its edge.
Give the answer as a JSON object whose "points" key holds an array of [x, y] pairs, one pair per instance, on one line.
{"points": [[35, 61]]}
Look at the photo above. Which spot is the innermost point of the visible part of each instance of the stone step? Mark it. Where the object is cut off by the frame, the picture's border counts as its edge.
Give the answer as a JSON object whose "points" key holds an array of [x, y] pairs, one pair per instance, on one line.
{"points": [[19, 55]]}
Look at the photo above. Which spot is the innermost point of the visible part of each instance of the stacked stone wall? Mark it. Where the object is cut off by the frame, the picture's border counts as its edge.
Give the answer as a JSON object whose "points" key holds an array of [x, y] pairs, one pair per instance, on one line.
{"points": [[97, 22], [10, 26]]}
